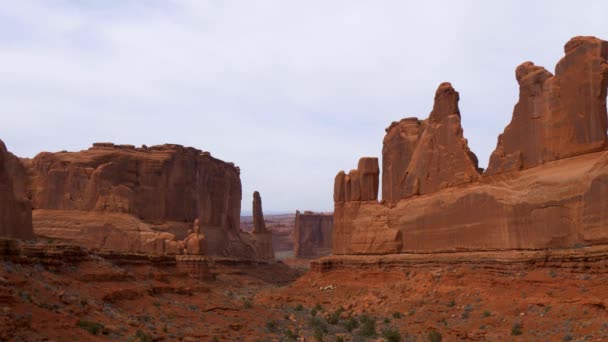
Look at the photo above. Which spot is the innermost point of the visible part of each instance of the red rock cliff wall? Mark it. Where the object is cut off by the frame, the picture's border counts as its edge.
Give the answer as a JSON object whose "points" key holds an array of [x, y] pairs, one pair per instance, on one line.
{"points": [[558, 198], [15, 208], [313, 234], [557, 115], [156, 184]]}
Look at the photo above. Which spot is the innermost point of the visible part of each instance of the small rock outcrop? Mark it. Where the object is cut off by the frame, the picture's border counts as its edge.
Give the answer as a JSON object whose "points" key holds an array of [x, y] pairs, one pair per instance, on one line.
{"points": [[261, 235], [195, 243], [559, 115], [15, 208], [360, 184], [313, 234]]}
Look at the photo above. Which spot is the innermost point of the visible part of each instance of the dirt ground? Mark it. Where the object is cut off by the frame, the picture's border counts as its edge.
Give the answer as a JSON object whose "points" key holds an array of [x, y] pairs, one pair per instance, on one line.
{"points": [[97, 300]]}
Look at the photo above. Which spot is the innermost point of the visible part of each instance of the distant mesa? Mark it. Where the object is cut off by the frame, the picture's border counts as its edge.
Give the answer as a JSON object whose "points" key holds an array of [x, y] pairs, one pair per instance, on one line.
{"points": [[313, 234]]}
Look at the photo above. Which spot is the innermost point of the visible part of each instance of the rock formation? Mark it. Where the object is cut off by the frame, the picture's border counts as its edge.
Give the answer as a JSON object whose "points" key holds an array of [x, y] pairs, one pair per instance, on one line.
{"points": [[556, 199], [261, 235], [360, 184], [119, 197], [559, 115], [421, 157], [313, 234], [15, 209]]}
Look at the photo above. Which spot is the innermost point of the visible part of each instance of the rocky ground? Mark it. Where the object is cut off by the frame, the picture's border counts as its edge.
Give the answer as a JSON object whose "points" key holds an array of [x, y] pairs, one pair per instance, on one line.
{"points": [[101, 300]]}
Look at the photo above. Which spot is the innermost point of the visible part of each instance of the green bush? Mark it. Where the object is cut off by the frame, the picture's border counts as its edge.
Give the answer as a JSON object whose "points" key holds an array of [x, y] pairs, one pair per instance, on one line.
{"points": [[516, 329], [141, 336], [351, 324], [291, 335], [271, 325], [299, 307], [451, 303], [368, 328], [91, 327], [435, 336], [397, 315], [334, 318], [247, 304], [391, 335], [487, 314]]}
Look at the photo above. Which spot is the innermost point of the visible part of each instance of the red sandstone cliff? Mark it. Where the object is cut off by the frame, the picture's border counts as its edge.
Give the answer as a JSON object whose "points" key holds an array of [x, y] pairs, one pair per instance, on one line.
{"points": [[436, 201], [15, 208], [313, 234], [138, 199]]}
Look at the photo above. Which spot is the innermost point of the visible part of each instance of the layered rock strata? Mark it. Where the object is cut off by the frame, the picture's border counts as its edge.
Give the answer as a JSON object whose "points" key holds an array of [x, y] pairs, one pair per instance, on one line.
{"points": [[435, 199]]}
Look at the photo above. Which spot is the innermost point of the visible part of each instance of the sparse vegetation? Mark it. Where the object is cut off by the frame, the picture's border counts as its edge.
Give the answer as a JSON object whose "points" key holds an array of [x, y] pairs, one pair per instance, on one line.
{"points": [[434, 336], [92, 327], [351, 324], [141, 336], [271, 325], [487, 313], [368, 326], [516, 329], [334, 318], [298, 307], [247, 304], [553, 273], [391, 335], [451, 303], [396, 315], [291, 335]]}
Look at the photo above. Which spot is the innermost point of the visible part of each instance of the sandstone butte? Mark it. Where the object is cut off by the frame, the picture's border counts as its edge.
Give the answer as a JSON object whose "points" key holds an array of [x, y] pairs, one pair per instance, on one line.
{"points": [[546, 185], [313, 234], [166, 199]]}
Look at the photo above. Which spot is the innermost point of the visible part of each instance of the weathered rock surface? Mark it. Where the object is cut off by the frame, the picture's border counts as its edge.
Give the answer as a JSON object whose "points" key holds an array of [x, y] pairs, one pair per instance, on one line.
{"points": [[261, 235], [15, 208], [559, 115], [360, 184], [313, 234], [118, 197], [559, 203], [421, 157]]}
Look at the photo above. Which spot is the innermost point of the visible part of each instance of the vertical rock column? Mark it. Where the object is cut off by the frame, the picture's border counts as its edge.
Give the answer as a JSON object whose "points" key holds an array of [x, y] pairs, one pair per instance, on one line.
{"points": [[262, 236]]}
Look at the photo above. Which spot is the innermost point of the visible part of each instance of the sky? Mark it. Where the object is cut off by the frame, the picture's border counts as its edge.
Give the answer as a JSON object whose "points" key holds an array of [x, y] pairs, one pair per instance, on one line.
{"points": [[290, 91]]}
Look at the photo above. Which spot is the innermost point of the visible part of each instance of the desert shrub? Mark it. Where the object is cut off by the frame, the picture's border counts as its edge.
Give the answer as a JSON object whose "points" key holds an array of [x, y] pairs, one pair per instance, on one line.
{"points": [[339, 339], [434, 336], [487, 313], [451, 303], [291, 335], [317, 323], [516, 329], [313, 312], [318, 307], [334, 318], [299, 307], [387, 320], [368, 328], [271, 325], [553, 273], [568, 338], [141, 336], [396, 314], [92, 327], [247, 304], [391, 335], [351, 324]]}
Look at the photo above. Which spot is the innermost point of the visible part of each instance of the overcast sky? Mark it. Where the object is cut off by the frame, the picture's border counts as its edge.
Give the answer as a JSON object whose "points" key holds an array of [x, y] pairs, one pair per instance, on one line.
{"points": [[291, 91]]}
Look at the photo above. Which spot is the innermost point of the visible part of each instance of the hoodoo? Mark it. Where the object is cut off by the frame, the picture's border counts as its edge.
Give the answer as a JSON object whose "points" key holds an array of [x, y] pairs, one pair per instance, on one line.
{"points": [[261, 235], [436, 200]]}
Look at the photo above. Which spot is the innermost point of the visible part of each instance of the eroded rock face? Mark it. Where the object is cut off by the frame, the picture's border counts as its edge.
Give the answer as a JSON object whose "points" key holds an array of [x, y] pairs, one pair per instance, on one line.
{"points": [[259, 225], [313, 234], [360, 184], [556, 198], [559, 115], [156, 184], [422, 157], [15, 208], [118, 197]]}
